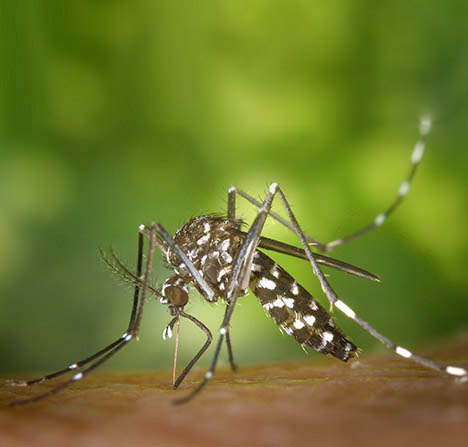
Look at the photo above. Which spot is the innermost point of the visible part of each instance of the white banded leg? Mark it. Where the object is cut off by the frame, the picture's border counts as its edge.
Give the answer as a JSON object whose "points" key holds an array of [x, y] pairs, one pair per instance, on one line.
{"points": [[110, 350], [401, 351], [334, 300], [416, 156], [78, 376]]}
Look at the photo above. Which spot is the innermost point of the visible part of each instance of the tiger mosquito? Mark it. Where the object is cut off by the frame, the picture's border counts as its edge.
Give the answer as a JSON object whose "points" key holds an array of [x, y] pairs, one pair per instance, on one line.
{"points": [[221, 261]]}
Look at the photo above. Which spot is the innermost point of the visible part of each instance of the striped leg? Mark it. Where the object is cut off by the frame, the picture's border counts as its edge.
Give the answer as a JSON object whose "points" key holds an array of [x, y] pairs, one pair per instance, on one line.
{"points": [[416, 156], [334, 300], [110, 350], [403, 352]]}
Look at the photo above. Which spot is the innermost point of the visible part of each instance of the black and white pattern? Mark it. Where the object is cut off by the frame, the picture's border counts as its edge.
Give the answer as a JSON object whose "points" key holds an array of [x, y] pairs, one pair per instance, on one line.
{"points": [[295, 311], [222, 262]]}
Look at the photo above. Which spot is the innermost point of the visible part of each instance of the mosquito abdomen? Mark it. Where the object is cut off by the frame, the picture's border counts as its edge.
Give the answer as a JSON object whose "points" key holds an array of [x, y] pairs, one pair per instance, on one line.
{"points": [[295, 310]]}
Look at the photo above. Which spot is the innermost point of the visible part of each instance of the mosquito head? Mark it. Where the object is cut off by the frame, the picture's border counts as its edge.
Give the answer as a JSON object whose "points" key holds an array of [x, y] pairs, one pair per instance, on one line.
{"points": [[176, 296]]}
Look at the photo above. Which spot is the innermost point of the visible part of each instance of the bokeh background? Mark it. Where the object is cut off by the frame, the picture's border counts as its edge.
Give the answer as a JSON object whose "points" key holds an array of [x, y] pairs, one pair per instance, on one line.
{"points": [[117, 113]]}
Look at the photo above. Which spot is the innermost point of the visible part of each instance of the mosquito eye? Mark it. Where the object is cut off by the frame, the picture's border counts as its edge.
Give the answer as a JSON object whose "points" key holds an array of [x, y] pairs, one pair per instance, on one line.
{"points": [[176, 295]]}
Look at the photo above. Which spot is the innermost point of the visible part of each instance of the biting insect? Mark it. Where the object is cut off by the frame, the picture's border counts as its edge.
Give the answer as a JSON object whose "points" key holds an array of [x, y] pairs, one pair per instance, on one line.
{"points": [[223, 262]]}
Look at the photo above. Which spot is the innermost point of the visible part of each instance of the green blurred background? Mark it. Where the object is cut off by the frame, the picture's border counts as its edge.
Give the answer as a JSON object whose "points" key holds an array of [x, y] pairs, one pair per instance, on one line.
{"points": [[117, 113]]}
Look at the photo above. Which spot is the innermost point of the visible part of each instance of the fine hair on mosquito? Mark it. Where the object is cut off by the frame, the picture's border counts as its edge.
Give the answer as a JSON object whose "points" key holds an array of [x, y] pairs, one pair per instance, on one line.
{"points": [[222, 261]]}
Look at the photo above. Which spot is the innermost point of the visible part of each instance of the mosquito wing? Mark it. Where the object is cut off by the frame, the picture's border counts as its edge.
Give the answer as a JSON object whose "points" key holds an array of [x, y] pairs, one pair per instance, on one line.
{"points": [[281, 247]]}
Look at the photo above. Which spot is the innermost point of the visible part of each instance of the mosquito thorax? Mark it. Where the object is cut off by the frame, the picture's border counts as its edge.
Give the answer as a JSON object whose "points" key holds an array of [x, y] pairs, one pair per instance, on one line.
{"points": [[209, 243]]}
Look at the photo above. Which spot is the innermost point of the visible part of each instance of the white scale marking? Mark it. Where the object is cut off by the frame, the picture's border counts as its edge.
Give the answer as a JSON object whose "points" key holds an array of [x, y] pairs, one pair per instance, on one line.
{"points": [[287, 330], [78, 376], [278, 303], [223, 331], [418, 152], [226, 257], [403, 352], [207, 227], [266, 283], [74, 366], [328, 336], [295, 288], [425, 125], [455, 371], [313, 305], [225, 244], [128, 337], [208, 375], [289, 302], [221, 273], [275, 272], [380, 219], [163, 291], [309, 319], [404, 188], [204, 239], [167, 333], [345, 309], [298, 324], [273, 188]]}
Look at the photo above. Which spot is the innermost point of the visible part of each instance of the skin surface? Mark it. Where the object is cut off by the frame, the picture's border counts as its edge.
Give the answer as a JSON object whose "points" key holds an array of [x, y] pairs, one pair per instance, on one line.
{"points": [[380, 400]]}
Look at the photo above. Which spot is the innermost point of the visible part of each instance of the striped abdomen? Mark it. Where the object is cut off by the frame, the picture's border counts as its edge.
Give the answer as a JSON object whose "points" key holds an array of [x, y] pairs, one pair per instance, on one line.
{"points": [[296, 311]]}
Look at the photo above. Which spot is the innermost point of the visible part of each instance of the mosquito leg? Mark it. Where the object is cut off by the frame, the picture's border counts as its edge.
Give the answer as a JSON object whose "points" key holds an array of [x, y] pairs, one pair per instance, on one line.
{"points": [[334, 300], [416, 156], [192, 362], [137, 311], [230, 354], [403, 352], [233, 190], [76, 377], [103, 354], [166, 237], [111, 346], [13, 382]]}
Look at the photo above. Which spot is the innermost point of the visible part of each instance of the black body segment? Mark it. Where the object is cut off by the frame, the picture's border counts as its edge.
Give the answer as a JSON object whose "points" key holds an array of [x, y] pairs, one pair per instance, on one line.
{"points": [[295, 310]]}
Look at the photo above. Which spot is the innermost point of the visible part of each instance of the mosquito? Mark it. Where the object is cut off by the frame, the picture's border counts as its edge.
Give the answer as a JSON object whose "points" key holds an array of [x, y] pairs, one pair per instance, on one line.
{"points": [[223, 262]]}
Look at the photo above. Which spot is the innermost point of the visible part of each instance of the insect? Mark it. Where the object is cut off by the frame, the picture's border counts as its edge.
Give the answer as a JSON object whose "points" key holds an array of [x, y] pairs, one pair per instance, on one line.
{"points": [[222, 262]]}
